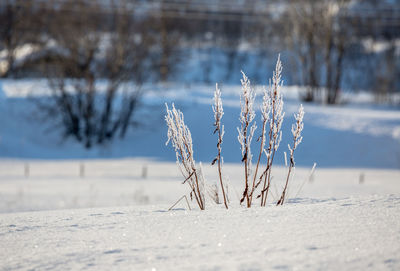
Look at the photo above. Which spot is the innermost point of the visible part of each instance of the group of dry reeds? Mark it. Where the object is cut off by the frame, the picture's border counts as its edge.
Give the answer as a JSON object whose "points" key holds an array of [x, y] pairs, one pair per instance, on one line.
{"points": [[257, 179]]}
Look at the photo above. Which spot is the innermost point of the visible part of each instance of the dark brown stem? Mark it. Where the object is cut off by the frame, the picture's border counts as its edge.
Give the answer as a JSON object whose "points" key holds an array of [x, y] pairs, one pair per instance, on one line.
{"points": [[295, 143], [258, 161], [245, 158], [217, 125], [219, 164], [282, 198], [270, 147]]}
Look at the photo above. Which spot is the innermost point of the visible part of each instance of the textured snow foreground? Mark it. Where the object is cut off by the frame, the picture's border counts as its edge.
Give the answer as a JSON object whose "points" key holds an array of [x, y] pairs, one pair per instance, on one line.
{"points": [[350, 234], [341, 219]]}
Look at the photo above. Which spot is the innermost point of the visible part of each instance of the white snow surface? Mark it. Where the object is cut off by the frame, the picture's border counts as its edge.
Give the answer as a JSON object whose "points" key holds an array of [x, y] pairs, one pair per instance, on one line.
{"points": [[348, 234], [116, 218]]}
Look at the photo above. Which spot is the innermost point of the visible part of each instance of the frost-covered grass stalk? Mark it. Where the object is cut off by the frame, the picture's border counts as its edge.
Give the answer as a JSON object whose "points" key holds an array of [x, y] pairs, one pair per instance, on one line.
{"points": [[246, 132], [219, 129], [297, 138], [181, 139], [274, 104]]}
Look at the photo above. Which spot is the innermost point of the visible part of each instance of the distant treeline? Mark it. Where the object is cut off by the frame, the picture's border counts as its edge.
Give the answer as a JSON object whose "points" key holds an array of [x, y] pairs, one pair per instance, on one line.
{"points": [[328, 45]]}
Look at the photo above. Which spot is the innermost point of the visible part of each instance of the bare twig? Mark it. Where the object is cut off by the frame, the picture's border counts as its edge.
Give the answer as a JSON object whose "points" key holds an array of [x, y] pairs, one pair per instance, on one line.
{"points": [[187, 202], [305, 180]]}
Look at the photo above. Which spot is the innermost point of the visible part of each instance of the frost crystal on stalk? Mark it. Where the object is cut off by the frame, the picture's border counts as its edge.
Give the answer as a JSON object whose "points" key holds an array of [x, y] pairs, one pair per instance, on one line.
{"points": [[297, 128], [265, 112], [217, 107], [179, 135], [245, 135], [247, 115], [277, 104]]}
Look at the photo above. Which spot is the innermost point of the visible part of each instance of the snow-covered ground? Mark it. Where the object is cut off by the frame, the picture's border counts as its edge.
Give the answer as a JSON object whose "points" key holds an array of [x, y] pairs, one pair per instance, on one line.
{"points": [[65, 208], [358, 233], [116, 217]]}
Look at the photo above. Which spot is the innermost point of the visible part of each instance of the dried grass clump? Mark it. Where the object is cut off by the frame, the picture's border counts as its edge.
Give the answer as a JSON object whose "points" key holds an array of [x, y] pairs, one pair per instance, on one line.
{"points": [[269, 139]]}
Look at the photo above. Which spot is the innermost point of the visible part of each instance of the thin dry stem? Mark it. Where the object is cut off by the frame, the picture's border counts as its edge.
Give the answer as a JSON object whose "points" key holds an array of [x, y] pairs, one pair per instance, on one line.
{"points": [[275, 133], [246, 132], [218, 113], [187, 202], [297, 138]]}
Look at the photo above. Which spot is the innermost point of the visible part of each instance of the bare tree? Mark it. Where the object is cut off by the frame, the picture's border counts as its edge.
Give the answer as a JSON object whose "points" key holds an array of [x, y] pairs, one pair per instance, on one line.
{"points": [[20, 24], [304, 17], [385, 83], [97, 74], [169, 38], [320, 35], [335, 33]]}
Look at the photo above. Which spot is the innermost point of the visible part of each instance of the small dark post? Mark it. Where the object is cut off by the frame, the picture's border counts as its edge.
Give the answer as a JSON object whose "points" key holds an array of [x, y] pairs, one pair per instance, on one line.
{"points": [[82, 170], [361, 179], [144, 171], [26, 170]]}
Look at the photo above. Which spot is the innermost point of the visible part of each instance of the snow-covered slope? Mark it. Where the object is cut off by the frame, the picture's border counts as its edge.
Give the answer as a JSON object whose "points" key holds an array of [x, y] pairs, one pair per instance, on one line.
{"points": [[348, 234], [357, 134]]}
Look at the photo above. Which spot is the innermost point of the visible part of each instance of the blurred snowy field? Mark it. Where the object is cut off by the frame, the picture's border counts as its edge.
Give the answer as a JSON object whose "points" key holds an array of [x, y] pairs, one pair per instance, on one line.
{"points": [[357, 134], [133, 182]]}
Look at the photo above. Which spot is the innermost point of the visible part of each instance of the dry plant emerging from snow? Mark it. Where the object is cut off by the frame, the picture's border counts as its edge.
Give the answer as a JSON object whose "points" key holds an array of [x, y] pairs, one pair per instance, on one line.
{"points": [[274, 107], [219, 129], [297, 138], [271, 118], [181, 139], [246, 132]]}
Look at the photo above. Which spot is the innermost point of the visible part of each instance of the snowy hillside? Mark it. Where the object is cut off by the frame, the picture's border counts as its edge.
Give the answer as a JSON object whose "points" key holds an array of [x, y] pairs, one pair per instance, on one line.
{"points": [[357, 134]]}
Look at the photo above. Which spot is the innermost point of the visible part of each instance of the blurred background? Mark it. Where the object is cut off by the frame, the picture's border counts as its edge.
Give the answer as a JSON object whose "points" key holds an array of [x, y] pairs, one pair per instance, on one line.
{"points": [[330, 44], [88, 64], [84, 81]]}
